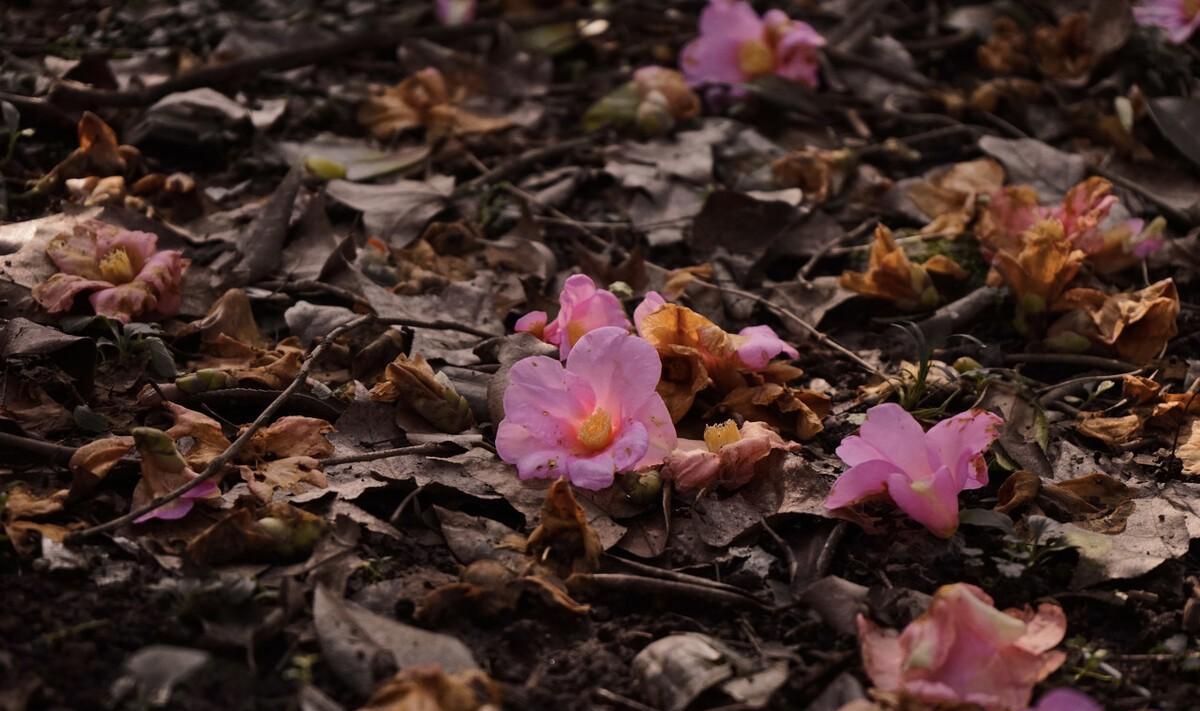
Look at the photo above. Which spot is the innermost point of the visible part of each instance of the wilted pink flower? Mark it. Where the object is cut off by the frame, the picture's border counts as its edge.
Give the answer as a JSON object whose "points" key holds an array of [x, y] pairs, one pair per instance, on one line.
{"points": [[922, 472], [1082, 210], [1177, 18], [736, 45], [596, 416], [757, 345], [1066, 700], [726, 456], [964, 650], [453, 13], [581, 308], [127, 276]]}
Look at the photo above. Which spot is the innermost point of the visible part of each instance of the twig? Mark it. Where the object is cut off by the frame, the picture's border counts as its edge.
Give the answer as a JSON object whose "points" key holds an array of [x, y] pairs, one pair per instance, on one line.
{"points": [[866, 226], [79, 96], [436, 326], [384, 454], [1087, 361], [629, 586], [515, 165], [597, 241], [615, 698], [829, 549], [54, 452], [217, 465], [812, 330], [956, 314], [650, 571]]}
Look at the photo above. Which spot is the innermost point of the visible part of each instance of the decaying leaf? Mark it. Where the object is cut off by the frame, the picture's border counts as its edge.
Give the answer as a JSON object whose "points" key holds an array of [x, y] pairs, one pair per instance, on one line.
{"points": [[428, 688], [198, 436], [290, 475], [291, 436], [563, 540], [273, 533], [1039, 274], [948, 195], [892, 277], [423, 100], [1136, 325], [820, 173], [93, 461], [412, 381], [230, 317]]}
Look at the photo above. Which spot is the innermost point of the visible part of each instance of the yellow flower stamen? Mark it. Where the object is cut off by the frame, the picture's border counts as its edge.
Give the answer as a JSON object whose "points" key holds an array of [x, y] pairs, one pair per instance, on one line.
{"points": [[575, 331], [717, 436], [596, 431], [755, 58], [116, 267]]}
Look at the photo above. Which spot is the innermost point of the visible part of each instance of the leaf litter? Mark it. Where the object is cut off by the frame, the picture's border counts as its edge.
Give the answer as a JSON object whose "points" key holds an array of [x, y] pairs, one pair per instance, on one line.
{"points": [[616, 355]]}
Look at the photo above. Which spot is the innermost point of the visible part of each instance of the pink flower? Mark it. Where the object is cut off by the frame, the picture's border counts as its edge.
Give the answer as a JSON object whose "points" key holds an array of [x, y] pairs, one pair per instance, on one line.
{"points": [[127, 276], [922, 472], [582, 308], [1083, 209], [726, 456], [757, 345], [453, 13], [736, 45], [1066, 700], [965, 651], [651, 302], [1177, 18], [596, 416]]}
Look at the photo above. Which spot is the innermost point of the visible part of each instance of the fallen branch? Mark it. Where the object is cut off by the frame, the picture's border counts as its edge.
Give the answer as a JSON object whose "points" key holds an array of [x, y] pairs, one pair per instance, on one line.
{"points": [[217, 465], [438, 448], [56, 453], [957, 314], [628, 586], [515, 165], [1086, 361]]}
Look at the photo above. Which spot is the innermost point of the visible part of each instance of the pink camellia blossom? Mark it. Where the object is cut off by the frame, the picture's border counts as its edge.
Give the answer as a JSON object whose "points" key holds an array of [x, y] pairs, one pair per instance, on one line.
{"points": [[736, 45], [596, 416], [1083, 208], [922, 472], [125, 273], [963, 650], [757, 345], [453, 13], [581, 308], [1177, 18], [726, 456], [1066, 700]]}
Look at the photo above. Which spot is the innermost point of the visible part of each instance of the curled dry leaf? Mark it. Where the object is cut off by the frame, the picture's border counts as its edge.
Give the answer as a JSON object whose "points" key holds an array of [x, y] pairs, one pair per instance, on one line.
{"points": [[275, 532], [948, 196], [424, 100], [17, 515], [99, 154], [564, 541], [291, 475], [1006, 51], [93, 461], [892, 277], [199, 436], [428, 688], [819, 172], [292, 436], [1064, 51], [164, 470], [230, 316], [412, 382], [1039, 274], [1136, 325]]}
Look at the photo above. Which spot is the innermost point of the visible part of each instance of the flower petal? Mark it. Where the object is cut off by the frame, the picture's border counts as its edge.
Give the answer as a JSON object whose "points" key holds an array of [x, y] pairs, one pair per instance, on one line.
{"points": [[533, 323], [164, 273], [692, 469], [124, 302], [933, 502], [651, 302], [57, 294], [622, 369], [898, 437], [1066, 700], [757, 345], [959, 441], [859, 482]]}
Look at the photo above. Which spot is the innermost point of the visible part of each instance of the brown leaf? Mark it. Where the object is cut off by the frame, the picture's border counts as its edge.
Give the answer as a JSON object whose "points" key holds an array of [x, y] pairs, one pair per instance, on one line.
{"points": [[1006, 50], [413, 382], [428, 688], [277, 531], [1040, 273], [820, 173], [1064, 52], [291, 475], [1188, 449], [231, 317], [198, 436], [291, 436], [1136, 325], [1113, 431], [93, 461], [423, 100], [892, 277], [564, 541], [1019, 489], [948, 196]]}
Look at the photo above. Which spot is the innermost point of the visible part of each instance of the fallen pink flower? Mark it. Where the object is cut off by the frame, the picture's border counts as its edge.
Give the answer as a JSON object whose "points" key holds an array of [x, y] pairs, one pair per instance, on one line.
{"points": [[163, 470], [1177, 18], [1082, 210], [595, 417], [965, 651], [1066, 700], [736, 45], [726, 456], [922, 472], [453, 13], [125, 273], [582, 308]]}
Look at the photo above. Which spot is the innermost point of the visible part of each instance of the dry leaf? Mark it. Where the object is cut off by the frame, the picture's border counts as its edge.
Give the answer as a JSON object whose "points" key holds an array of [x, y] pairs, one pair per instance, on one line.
{"points": [[230, 316], [291, 475], [1040, 273], [275, 532], [198, 436], [423, 100], [564, 541], [948, 195], [1112, 431], [1064, 52], [428, 688], [1006, 51], [413, 382], [93, 461], [292, 436], [1188, 448], [1136, 325], [820, 173], [892, 277]]}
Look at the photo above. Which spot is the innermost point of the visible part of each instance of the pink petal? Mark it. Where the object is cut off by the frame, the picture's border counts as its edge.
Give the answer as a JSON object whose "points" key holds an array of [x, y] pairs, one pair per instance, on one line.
{"points": [[651, 302], [757, 345], [660, 431], [796, 54], [76, 253], [592, 473], [164, 273], [453, 13], [734, 19], [739, 458], [124, 302], [882, 657], [713, 56], [57, 294], [180, 507], [629, 447], [692, 469], [899, 438], [859, 482], [959, 441], [1067, 700], [533, 322], [622, 369], [543, 406], [584, 308], [933, 502]]}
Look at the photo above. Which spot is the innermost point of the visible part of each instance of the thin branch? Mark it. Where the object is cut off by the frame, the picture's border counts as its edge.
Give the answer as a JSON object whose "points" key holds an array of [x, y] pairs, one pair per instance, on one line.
{"points": [[54, 452], [1082, 360], [217, 465], [436, 326], [515, 165], [791, 315], [437, 448]]}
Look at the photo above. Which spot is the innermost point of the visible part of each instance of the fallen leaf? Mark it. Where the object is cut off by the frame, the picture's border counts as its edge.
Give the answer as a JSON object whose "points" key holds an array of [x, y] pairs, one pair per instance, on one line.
{"points": [[424, 100], [412, 382], [948, 195], [1136, 325], [564, 541], [892, 277], [428, 688], [93, 461]]}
